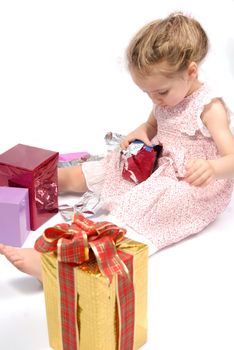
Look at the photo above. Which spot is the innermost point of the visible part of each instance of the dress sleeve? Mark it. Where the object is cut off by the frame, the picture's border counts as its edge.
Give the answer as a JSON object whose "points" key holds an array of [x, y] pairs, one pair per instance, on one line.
{"points": [[207, 100]]}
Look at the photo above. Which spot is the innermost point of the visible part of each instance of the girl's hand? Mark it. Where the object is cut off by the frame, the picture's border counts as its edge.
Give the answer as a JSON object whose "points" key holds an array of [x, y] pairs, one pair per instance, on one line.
{"points": [[138, 134], [145, 132], [200, 172]]}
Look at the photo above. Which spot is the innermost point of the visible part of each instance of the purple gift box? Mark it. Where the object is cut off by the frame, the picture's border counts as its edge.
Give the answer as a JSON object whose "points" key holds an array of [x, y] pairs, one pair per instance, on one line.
{"points": [[14, 215]]}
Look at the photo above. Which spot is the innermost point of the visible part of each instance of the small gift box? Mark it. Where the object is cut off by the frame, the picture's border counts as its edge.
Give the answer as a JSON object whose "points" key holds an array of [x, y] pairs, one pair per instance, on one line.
{"points": [[95, 285], [139, 161], [36, 169], [71, 159], [14, 215]]}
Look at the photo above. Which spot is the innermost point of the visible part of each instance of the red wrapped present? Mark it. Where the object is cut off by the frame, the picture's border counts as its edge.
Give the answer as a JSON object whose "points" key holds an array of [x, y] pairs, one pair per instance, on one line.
{"points": [[36, 169], [139, 161]]}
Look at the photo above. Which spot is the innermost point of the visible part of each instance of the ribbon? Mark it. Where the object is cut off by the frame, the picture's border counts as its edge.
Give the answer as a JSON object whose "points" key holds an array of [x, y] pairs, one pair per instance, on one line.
{"points": [[74, 244], [88, 205]]}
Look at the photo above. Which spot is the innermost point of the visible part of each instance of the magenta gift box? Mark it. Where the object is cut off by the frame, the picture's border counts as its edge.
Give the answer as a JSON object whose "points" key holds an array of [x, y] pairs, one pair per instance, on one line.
{"points": [[36, 169], [14, 215]]}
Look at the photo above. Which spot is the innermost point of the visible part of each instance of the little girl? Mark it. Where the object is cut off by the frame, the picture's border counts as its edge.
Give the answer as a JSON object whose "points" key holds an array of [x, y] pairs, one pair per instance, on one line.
{"points": [[193, 182]]}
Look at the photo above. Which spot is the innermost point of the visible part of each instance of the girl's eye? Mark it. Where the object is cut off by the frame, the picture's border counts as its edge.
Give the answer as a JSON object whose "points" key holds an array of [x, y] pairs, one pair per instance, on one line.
{"points": [[163, 92]]}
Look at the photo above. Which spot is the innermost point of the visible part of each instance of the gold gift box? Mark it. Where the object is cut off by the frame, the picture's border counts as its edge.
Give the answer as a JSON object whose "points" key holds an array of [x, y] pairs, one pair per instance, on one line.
{"points": [[97, 314]]}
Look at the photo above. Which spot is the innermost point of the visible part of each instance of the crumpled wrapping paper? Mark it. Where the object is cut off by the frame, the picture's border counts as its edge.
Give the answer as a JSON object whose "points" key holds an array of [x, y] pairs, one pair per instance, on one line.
{"points": [[139, 161]]}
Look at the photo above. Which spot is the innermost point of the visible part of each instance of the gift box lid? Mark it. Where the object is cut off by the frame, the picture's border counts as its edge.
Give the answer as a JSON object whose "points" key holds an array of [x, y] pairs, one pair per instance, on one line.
{"points": [[26, 157], [12, 194]]}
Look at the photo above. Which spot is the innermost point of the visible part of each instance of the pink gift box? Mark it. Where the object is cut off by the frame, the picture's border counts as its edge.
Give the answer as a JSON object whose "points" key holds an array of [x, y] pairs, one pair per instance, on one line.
{"points": [[68, 157], [36, 169], [14, 215]]}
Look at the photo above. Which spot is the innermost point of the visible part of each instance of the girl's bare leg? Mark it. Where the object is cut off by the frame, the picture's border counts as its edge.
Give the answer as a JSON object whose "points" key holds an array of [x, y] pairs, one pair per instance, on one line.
{"points": [[70, 179]]}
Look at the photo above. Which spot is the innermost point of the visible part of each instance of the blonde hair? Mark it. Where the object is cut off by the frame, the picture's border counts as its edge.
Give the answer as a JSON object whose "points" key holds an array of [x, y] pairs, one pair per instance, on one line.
{"points": [[176, 41]]}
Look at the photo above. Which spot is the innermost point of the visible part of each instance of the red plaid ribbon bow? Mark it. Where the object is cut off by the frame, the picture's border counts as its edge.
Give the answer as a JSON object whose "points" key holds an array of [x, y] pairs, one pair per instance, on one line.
{"points": [[73, 243]]}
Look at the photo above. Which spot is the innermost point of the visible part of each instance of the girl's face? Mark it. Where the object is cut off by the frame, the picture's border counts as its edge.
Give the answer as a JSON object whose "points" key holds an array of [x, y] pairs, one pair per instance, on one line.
{"points": [[165, 91]]}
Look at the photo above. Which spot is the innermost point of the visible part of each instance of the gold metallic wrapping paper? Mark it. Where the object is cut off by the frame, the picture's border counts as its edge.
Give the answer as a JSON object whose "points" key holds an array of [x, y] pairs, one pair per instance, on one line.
{"points": [[96, 299]]}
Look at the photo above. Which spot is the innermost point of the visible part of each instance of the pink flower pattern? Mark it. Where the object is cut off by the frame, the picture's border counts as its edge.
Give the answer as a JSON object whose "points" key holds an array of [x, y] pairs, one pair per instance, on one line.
{"points": [[165, 208]]}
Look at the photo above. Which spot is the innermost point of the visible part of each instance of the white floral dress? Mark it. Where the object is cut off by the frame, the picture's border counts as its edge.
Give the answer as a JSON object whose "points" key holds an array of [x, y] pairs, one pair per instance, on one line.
{"points": [[165, 208]]}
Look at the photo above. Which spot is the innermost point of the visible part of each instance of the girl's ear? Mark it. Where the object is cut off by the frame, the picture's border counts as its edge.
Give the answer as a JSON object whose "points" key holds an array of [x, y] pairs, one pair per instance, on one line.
{"points": [[192, 70]]}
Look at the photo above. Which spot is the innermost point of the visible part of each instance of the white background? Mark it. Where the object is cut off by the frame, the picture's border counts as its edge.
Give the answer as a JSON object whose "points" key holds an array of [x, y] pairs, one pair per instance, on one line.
{"points": [[63, 81], [63, 85]]}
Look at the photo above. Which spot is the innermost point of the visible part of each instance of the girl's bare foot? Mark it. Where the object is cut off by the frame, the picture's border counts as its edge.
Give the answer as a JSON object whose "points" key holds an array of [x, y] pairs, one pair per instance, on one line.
{"points": [[26, 260]]}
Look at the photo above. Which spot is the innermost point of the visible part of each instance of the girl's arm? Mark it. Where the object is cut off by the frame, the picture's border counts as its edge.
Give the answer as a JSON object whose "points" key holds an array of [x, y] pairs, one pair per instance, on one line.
{"points": [[145, 132], [216, 120], [201, 172]]}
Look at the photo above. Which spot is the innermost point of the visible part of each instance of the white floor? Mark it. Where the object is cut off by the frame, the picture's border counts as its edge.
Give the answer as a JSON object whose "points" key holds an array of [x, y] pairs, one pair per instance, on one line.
{"points": [[191, 289], [63, 86]]}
